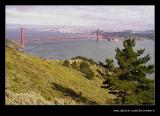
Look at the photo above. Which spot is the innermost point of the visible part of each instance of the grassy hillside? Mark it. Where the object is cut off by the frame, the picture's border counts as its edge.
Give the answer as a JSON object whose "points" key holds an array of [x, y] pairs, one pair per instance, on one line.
{"points": [[32, 80], [12, 44]]}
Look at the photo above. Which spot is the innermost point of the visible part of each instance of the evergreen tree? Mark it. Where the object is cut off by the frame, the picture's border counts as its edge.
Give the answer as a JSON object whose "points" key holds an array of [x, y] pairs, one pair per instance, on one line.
{"points": [[131, 65], [130, 76], [109, 66]]}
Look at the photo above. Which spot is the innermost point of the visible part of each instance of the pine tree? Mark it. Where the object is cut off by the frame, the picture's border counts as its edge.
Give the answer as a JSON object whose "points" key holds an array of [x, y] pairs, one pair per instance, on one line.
{"points": [[129, 77], [131, 65], [109, 67]]}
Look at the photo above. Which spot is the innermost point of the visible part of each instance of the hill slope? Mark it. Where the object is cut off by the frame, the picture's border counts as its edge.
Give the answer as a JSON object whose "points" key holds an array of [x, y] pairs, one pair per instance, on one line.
{"points": [[32, 80]]}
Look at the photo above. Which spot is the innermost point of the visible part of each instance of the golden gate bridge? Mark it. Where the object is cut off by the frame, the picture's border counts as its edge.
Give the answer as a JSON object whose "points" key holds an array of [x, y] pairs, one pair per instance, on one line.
{"points": [[22, 37]]}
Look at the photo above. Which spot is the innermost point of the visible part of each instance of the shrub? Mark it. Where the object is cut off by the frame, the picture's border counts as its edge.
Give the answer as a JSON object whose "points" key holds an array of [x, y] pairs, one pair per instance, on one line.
{"points": [[85, 59], [66, 63], [90, 74], [84, 67], [75, 66]]}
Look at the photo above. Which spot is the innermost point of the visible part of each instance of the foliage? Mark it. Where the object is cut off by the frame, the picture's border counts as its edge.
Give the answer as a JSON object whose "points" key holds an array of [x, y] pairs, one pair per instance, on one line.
{"points": [[110, 64], [84, 67], [85, 59], [141, 96], [66, 63], [110, 67], [131, 65], [90, 74], [129, 77], [75, 65], [120, 85]]}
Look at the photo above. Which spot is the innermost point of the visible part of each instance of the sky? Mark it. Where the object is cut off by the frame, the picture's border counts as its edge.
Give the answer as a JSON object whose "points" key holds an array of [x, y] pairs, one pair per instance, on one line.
{"points": [[104, 17]]}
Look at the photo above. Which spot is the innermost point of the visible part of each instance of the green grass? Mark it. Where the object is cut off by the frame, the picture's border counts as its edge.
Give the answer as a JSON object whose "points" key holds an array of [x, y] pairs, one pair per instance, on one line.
{"points": [[49, 79]]}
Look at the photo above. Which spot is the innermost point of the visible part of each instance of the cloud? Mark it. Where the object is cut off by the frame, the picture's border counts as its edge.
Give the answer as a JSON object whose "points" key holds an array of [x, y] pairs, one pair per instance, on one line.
{"points": [[101, 16]]}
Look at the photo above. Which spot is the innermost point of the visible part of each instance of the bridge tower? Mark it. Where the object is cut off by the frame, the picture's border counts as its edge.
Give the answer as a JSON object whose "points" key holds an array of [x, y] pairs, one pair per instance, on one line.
{"points": [[22, 38], [97, 35]]}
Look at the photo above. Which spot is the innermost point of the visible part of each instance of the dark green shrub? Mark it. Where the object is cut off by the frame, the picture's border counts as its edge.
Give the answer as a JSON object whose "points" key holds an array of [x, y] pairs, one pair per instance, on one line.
{"points": [[90, 74], [66, 63], [84, 67], [85, 59], [75, 66]]}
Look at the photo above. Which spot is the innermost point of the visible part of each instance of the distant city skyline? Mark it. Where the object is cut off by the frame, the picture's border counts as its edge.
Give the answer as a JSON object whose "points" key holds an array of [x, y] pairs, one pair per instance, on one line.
{"points": [[105, 17]]}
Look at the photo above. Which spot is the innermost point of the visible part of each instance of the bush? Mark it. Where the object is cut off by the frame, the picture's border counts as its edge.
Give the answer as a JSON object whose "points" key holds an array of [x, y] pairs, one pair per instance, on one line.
{"points": [[90, 74], [85, 59], [84, 67], [75, 66], [92, 61], [66, 63]]}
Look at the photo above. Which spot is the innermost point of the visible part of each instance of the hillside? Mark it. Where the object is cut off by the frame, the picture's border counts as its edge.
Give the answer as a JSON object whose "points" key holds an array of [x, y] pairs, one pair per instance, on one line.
{"points": [[11, 44], [147, 34], [33, 80]]}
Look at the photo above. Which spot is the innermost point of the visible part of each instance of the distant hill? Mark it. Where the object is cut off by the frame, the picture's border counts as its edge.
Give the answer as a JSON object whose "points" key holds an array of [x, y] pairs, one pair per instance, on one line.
{"points": [[33, 80], [147, 34]]}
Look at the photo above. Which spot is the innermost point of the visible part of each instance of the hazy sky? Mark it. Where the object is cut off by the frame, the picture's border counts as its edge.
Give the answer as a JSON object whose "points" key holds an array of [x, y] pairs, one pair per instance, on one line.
{"points": [[98, 16]]}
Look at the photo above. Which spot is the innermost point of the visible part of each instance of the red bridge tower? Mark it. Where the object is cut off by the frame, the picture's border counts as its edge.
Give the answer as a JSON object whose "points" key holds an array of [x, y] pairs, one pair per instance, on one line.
{"points": [[97, 35], [22, 38]]}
